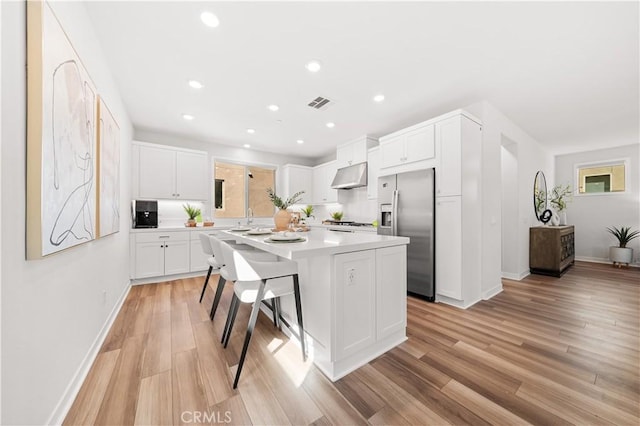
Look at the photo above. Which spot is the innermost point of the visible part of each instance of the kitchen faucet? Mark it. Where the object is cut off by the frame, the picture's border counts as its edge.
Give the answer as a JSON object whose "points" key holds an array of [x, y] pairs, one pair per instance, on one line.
{"points": [[249, 216]]}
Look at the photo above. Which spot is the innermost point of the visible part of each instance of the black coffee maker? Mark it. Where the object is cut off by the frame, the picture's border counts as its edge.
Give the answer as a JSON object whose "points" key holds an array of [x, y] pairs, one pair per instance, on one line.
{"points": [[145, 214]]}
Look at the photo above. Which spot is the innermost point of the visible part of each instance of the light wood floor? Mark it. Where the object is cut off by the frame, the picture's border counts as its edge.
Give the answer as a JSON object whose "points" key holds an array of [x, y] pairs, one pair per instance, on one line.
{"points": [[544, 351]]}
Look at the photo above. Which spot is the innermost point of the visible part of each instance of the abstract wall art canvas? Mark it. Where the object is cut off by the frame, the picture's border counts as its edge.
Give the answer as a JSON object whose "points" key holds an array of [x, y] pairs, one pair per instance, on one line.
{"points": [[61, 139], [108, 171]]}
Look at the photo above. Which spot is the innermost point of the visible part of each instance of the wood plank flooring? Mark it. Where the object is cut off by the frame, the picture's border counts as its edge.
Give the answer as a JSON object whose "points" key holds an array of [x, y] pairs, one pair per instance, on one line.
{"points": [[544, 351]]}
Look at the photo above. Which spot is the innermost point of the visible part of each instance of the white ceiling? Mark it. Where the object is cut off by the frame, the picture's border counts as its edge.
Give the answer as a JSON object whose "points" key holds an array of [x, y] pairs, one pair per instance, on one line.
{"points": [[567, 73]]}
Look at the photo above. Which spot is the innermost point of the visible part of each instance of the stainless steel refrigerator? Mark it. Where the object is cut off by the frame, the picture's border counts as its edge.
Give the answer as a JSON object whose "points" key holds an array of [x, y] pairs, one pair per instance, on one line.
{"points": [[406, 208]]}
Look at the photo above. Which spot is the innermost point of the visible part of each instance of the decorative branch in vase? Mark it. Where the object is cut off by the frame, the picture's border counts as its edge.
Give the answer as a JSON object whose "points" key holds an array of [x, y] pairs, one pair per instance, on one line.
{"points": [[560, 196], [282, 216]]}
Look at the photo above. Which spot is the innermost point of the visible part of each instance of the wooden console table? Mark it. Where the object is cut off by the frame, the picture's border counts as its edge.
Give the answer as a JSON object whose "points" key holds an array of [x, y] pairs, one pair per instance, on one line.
{"points": [[551, 249]]}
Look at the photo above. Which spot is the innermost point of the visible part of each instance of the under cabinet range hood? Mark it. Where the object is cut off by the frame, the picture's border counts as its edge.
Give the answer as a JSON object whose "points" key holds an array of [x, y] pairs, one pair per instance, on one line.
{"points": [[354, 176]]}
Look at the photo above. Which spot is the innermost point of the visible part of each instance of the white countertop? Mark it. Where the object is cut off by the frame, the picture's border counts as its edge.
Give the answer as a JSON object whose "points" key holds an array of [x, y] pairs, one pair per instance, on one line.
{"points": [[321, 243], [170, 228]]}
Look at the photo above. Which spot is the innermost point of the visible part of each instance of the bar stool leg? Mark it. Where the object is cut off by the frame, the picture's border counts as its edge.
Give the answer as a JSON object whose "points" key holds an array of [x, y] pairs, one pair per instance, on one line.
{"points": [[216, 299], [251, 326], [206, 281], [232, 306], [296, 293], [232, 315]]}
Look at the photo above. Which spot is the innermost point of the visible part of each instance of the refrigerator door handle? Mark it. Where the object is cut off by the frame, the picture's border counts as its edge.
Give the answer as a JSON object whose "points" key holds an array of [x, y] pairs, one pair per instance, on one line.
{"points": [[394, 214]]}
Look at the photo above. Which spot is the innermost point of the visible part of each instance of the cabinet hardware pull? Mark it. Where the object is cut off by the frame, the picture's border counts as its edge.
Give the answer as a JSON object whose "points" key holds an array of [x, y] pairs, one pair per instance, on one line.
{"points": [[164, 236]]}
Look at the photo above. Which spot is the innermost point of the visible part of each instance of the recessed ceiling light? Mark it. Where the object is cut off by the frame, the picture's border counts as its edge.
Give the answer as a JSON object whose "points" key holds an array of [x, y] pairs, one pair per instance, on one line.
{"points": [[378, 98], [246, 145], [210, 19], [195, 84], [279, 121], [300, 141], [313, 66], [273, 107], [251, 131], [188, 116], [331, 125]]}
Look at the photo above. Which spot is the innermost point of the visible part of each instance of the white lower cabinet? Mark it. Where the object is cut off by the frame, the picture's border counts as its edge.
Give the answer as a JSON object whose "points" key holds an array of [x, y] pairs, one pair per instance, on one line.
{"points": [[355, 289], [369, 306], [449, 246], [391, 304], [160, 253]]}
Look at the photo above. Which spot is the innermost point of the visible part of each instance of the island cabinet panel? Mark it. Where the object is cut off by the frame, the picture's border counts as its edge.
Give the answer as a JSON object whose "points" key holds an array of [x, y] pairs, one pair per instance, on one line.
{"points": [[355, 302], [391, 301], [551, 249]]}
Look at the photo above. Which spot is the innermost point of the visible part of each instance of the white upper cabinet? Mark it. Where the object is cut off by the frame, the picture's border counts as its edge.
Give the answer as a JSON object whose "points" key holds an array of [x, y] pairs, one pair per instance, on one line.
{"points": [[322, 178], [448, 135], [293, 178], [407, 146], [353, 152], [373, 170], [162, 172]]}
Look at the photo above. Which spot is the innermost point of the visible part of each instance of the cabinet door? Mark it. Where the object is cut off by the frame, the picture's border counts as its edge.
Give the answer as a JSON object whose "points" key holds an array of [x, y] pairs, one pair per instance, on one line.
{"points": [[449, 247], [176, 257], [449, 134], [391, 297], [420, 144], [299, 179], [330, 174], [344, 156], [373, 170], [192, 176], [149, 259], [392, 152], [156, 173], [319, 184], [355, 302], [198, 260]]}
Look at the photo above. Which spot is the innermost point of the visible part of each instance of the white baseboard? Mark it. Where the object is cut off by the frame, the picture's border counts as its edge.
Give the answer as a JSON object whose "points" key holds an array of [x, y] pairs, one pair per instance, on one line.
{"points": [[165, 278], [455, 302], [70, 393], [601, 260], [515, 277], [486, 295]]}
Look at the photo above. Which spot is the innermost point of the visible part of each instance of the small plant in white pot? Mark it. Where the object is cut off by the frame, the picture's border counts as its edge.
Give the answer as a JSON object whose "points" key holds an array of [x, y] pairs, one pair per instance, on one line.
{"points": [[622, 253]]}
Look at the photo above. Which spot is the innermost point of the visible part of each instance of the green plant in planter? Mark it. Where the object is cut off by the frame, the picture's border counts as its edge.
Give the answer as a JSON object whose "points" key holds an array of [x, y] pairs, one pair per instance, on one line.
{"points": [[560, 196], [308, 211], [337, 215], [284, 204], [191, 211], [623, 234]]}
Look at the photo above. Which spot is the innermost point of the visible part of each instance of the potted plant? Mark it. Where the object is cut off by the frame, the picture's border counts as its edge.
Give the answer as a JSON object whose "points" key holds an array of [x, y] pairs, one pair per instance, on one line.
{"points": [[560, 196], [337, 216], [192, 212], [282, 216], [308, 211], [622, 253]]}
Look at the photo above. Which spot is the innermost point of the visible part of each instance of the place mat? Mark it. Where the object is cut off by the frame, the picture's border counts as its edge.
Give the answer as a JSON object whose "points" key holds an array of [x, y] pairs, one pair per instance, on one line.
{"points": [[297, 240], [259, 232]]}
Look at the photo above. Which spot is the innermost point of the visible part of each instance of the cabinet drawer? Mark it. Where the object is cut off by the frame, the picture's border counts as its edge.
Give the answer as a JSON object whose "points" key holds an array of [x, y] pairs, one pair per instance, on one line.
{"points": [[149, 237]]}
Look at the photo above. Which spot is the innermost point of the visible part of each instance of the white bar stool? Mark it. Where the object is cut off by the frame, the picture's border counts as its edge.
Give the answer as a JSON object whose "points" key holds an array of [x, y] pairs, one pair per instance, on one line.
{"points": [[218, 259], [257, 281]]}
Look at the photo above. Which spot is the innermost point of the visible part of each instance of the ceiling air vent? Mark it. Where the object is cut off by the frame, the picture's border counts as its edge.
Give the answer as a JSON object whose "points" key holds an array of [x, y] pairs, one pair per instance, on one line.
{"points": [[321, 103]]}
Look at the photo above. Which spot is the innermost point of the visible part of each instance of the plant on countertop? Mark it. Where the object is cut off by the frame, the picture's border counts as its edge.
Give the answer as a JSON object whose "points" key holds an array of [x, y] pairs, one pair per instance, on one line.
{"points": [[337, 215], [191, 211], [560, 196], [283, 204], [623, 234], [308, 211]]}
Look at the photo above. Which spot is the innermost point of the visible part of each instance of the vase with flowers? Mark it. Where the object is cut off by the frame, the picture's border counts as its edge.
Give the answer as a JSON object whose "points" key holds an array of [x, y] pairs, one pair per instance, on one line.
{"points": [[282, 216], [560, 196]]}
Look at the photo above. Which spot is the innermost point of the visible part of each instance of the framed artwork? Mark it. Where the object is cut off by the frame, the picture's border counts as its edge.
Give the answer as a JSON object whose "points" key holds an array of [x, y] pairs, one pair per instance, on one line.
{"points": [[61, 139], [108, 171]]}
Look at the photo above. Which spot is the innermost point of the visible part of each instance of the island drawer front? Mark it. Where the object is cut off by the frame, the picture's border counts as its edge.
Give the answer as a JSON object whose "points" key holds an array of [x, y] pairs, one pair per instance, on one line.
{"points": [[149, 237]]}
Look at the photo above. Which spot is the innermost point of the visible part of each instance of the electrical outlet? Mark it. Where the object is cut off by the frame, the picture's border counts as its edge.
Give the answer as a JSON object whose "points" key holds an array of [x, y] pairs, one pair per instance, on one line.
{"points": [[351, 276]]}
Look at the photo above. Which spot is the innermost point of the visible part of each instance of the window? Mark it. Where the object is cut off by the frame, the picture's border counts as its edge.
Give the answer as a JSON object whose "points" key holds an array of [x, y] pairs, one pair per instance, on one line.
{"points": [[238, 187], [609, 177]]}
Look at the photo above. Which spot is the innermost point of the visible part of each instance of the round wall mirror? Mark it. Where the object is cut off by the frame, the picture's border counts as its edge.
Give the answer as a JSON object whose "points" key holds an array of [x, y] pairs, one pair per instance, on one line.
{"points": [[543, 214]]}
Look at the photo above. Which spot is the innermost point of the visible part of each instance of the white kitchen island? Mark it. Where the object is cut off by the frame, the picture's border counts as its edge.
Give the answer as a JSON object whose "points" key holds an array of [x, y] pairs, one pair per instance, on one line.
{"points": [[354, 294]]}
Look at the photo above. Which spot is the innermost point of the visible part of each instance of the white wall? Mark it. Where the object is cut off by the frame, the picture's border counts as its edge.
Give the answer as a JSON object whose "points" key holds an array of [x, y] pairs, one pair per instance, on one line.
{"points": [[52, 309], [510, 212], [531, 157], [592, 214]]}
